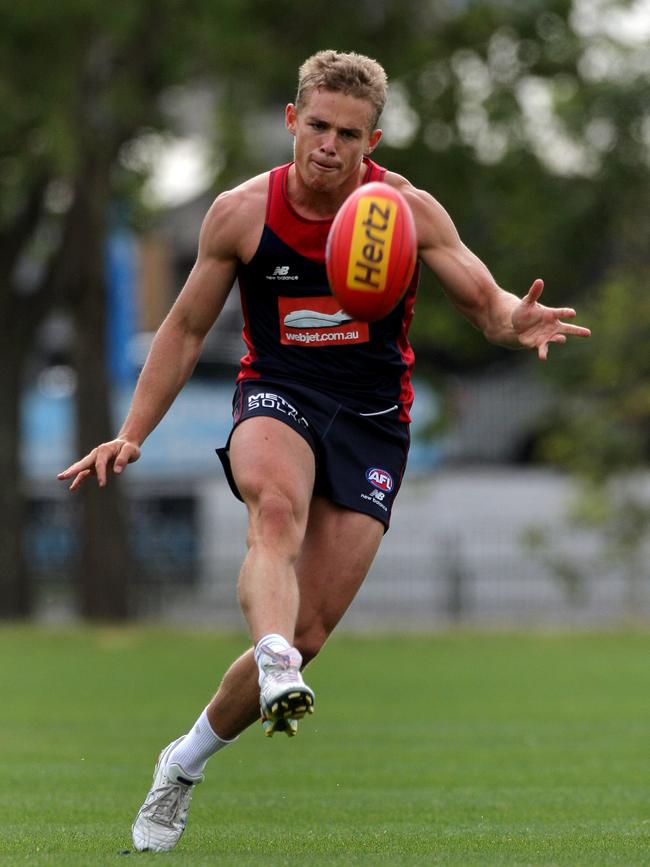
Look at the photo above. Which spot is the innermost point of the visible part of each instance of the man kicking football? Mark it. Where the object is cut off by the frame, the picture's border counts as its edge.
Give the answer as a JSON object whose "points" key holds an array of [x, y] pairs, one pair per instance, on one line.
{"points": [[321, 405]]}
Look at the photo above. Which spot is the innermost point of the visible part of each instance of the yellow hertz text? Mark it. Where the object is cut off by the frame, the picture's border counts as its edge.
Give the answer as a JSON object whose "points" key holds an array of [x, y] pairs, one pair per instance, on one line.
{"points": [[374, 224]]}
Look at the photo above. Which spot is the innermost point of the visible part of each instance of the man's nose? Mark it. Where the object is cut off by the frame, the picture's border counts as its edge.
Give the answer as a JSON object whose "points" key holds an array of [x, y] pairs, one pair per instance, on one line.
{"points": [[328, 142]]}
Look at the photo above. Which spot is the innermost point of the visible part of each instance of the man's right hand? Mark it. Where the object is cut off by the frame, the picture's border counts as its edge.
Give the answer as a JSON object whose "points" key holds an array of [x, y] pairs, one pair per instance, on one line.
{"points": [[114, 455]]}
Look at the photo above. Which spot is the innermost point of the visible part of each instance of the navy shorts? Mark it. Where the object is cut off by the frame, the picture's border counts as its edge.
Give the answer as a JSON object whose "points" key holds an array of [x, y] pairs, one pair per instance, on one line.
{"points": [[360, 450]]}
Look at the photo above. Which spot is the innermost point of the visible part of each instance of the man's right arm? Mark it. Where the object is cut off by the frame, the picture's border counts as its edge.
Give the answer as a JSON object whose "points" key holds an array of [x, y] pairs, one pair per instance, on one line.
{"points": [[176, 346]]}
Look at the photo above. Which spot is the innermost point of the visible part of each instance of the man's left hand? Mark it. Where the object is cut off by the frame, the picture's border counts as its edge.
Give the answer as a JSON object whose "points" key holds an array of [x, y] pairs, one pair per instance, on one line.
{"points": [[536, 326]]}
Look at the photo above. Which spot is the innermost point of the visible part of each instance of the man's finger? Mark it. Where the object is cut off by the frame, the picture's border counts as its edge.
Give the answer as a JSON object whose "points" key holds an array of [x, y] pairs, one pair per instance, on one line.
{"points": [[101, 462], [85, 463], [576, 330], [535, 291], [73, 469], [127, 455], [121, 460], [80, 479]]}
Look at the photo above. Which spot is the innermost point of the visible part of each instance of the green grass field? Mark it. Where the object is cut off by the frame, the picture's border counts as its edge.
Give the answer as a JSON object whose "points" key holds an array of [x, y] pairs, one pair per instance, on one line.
{"points": [[447, 749]]}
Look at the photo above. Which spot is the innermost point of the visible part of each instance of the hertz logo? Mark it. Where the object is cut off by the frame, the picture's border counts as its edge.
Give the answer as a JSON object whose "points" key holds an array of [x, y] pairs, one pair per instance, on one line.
{"points": [[374, 224]]}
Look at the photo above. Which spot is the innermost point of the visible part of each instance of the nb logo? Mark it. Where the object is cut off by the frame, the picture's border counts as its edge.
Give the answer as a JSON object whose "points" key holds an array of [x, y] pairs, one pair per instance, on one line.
{"points": [[281, 272]]}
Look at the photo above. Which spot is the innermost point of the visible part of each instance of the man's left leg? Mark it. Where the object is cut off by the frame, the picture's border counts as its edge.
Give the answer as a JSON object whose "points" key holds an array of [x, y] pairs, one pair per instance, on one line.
{"points": [[340, 546], [337, 551]]}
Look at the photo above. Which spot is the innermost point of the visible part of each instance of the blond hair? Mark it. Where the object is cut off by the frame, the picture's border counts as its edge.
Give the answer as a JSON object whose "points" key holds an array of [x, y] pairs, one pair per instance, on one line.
{"points": [[350, 73]]}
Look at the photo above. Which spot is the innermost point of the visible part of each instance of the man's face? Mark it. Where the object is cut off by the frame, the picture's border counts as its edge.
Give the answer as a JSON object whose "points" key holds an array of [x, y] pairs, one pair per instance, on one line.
{"points": [[332, 134]]}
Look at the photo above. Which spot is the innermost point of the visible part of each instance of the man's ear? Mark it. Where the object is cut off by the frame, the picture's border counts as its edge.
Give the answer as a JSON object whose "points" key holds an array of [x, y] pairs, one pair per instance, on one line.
{"points": [[290, 118], [373, 141]]}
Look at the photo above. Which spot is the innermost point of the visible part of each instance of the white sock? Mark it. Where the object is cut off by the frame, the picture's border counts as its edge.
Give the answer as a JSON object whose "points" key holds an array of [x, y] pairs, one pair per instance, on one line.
{"points": [[197, 746], [274, 642]]}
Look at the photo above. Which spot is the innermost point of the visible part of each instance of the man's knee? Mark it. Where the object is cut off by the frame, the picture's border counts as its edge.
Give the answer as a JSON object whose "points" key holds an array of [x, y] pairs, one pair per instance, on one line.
{"points": [[275, 518]]}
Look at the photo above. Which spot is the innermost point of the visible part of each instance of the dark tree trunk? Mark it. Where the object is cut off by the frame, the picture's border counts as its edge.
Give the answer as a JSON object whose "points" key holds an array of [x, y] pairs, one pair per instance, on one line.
{"points": [[15, 590], [20, 315], [105, 567]]}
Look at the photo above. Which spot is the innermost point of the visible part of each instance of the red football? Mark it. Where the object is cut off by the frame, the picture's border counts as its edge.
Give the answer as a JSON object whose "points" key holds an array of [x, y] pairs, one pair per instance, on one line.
{"points": [[371, 251]]}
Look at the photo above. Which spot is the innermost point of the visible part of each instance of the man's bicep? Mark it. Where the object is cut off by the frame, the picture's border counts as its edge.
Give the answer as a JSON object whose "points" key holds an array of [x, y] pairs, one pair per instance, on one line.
{"points": [[205, 291], [212, 276]]}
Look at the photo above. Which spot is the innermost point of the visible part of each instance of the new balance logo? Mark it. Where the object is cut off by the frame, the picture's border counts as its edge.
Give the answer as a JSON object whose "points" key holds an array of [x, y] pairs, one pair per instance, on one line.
{"points": [[281, 272]]}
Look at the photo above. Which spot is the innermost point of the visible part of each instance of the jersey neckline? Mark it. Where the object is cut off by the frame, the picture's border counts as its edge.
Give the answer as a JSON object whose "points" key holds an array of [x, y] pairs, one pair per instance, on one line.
{"points": [[285, 192]]}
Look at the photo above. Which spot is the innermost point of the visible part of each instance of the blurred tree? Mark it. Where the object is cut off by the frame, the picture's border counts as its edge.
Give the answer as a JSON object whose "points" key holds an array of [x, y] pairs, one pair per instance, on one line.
{"points": [[26, 292], [528, 121], [602, 435], [16, 330], [101, 72]]}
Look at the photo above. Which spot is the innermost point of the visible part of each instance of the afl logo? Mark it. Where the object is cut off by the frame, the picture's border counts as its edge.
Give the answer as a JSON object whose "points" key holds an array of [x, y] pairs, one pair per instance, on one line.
{"points": [[380, 479]]}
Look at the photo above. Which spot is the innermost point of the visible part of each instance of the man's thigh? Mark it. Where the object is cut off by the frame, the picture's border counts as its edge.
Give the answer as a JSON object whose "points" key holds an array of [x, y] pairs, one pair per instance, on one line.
{"points": [[297, 417], [267, 455]]}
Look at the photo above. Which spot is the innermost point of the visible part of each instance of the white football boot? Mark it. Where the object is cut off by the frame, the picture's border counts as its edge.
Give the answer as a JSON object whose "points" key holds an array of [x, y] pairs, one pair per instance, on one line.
{"points": [[288, 726], [284, 696], [162, 818]]}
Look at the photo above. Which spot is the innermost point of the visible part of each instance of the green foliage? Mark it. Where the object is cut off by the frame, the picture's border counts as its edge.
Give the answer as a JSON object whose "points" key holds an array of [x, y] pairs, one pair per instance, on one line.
{"points": [[602, 437], [607, 405], [480, 84]]}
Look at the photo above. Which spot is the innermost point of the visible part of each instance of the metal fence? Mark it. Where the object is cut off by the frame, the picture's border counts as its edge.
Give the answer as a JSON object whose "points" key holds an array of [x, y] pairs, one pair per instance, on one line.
{"points": [[459, 551]]}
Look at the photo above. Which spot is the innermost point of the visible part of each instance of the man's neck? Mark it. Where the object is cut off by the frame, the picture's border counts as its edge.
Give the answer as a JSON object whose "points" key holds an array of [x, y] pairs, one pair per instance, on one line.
{"points": [[320, 205]]}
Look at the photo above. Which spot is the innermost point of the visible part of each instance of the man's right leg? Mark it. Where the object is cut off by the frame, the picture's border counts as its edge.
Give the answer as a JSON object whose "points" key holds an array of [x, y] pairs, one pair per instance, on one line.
{"points": [[274, 469]]}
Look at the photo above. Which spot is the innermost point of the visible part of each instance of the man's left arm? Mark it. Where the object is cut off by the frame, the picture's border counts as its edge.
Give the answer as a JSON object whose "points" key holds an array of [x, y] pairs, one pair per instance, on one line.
{"points": [[501, 316]]}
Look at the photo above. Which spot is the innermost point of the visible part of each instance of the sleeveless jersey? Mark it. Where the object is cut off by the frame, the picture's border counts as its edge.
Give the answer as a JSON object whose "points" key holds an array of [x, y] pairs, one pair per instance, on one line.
{"points": [[294, 328]]}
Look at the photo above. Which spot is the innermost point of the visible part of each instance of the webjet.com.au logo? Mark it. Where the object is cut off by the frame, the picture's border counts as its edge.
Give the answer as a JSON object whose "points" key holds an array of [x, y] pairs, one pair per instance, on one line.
{"points": [[322, 336]]}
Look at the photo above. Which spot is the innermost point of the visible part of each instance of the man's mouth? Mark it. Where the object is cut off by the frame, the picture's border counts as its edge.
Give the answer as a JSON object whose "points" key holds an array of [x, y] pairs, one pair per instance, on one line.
{"points": [[324, 167]]}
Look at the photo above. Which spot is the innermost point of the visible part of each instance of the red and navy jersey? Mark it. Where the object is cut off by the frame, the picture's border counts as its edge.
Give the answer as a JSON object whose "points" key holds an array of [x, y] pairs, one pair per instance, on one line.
{"points": [[294, 327]]}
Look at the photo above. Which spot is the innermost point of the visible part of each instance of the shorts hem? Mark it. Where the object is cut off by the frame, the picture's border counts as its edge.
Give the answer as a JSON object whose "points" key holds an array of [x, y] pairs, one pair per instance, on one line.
{"points": [[383, 519], [223, 453]]}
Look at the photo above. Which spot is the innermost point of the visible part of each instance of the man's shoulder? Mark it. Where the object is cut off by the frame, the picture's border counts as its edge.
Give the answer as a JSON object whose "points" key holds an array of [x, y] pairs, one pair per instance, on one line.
{"points": [[235, 218], [417, 198], [431, 219], [398, 181], [250, 193], [237, 211]]}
